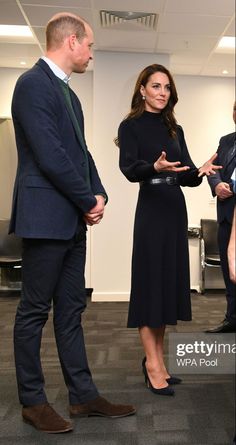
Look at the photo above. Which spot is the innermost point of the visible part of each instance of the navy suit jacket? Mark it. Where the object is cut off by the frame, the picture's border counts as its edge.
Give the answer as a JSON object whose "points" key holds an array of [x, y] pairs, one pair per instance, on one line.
{"points": [[226, 158], [51, 193]]}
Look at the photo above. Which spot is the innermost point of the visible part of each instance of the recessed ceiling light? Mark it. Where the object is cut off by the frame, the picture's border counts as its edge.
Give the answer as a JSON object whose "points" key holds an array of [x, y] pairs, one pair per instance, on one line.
{"points": [[225, 72], [15, 30], [23, 62], [226, 42]]}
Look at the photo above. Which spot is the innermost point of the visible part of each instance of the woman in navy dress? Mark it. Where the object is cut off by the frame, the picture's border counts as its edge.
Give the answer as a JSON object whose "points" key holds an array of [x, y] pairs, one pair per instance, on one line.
{"points": [[153, 152]]}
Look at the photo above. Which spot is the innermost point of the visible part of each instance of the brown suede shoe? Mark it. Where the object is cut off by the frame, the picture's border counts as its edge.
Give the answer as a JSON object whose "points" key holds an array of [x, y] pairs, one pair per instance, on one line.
{"points": [[45, 418], [101, 407]]}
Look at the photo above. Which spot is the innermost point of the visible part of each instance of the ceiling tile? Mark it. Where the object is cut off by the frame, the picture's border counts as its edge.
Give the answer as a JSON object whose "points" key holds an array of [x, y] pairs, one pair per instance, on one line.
{"points": [[129, 5], [186, 43], [191, 24], [210, 7], [188, 30], [40, 15], [10, 14], [230, 30], [127, 41], [216, 71], [217, 63], [217, 59], [65, 3], [19, 50], [189, 58], [185, 69], [40, 33]]}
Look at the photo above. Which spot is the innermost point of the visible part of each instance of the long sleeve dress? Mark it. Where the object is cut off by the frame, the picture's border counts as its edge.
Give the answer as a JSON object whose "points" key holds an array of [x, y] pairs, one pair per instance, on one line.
{"points": [[160, 286]]}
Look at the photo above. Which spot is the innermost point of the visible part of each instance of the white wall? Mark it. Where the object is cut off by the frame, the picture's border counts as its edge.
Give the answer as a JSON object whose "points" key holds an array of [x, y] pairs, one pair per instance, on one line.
{"points": [[205, 112], [8, 161], [114, 78]]}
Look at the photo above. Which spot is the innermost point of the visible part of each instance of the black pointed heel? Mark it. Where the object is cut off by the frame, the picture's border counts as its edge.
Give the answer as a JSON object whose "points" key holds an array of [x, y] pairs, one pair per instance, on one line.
{"points": [[171, 380], [174, 380], [161, 391], [143, 362]]}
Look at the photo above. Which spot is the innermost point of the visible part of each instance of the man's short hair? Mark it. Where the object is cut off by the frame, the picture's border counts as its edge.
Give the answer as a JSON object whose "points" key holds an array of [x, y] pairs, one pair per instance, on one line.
{"points": [[61, 26]]}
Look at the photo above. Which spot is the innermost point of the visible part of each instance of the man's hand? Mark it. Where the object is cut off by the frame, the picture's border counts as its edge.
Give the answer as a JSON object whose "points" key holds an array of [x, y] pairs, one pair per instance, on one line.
{"points": [[222, 190], [162, 164], [95, 215]]}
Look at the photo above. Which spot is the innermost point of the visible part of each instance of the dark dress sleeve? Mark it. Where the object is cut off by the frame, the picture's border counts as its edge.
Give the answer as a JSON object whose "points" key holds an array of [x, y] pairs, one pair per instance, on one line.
{"points": [[134, 169], [190, 177]]}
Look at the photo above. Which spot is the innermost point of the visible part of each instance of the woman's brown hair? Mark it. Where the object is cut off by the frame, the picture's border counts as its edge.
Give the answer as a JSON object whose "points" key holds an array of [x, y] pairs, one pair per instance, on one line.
{"points": [[138, 104]]}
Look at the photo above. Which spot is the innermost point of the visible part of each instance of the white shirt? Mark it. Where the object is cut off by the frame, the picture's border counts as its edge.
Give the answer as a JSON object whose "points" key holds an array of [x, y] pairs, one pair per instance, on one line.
{"points": [[56, 70]]}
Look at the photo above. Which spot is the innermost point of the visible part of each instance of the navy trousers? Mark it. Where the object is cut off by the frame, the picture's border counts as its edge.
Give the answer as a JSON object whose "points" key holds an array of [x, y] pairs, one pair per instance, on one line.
{"points": [[52, 273], [223, 241]]}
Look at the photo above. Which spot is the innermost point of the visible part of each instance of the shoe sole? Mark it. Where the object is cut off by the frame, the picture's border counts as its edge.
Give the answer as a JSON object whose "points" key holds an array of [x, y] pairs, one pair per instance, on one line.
{"points": [[95, 414], [66, 430]]}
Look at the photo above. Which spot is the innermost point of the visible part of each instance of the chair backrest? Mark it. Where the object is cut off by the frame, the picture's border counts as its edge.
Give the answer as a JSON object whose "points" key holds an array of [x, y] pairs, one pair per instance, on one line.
{"points": [[10, 245], [209, 230]]}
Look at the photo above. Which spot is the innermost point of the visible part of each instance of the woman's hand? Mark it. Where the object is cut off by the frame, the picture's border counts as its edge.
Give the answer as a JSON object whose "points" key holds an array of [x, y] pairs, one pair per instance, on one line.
{"points": [[209, 168], [162, 164]]}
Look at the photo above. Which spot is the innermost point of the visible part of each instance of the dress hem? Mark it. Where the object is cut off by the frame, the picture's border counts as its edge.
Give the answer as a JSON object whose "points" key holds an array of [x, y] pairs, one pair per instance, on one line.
{"points": [[159, 325]]}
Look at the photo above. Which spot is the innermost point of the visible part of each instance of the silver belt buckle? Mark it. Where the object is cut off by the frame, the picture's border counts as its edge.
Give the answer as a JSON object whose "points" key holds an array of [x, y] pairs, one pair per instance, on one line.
{"points": [[170, 180]]}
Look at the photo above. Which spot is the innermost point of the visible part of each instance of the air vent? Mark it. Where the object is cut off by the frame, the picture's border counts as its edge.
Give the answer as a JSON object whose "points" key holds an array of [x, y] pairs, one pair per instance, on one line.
{"points": [[112, 18]]}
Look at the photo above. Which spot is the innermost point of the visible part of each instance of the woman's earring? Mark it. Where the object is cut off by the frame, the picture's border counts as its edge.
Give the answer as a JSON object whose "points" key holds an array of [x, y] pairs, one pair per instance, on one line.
{"points": [[144, 97]]}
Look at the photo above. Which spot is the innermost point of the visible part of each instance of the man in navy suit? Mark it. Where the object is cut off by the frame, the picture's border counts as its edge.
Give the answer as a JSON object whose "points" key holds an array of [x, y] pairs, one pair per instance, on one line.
{"points": [[57, 193], [222, 186]]}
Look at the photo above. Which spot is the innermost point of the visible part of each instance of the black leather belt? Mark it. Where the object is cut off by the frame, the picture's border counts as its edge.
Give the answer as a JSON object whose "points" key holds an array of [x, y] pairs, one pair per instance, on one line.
{"points": [[169, 180]]}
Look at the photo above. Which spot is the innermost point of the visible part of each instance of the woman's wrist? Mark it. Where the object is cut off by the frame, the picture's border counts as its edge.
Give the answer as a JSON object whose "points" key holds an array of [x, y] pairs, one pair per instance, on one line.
{"points": [[155, 165]]}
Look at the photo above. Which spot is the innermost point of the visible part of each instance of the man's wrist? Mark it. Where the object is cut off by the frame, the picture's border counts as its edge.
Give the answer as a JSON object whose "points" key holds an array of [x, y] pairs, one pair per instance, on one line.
{"points": [[103, 196]]}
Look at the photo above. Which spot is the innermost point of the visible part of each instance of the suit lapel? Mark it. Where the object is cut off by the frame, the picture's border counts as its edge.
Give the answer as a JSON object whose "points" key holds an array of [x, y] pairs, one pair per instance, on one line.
{"points": [[79, 125], [232, 153], [230, 158], [56, 85], [76, 126]]}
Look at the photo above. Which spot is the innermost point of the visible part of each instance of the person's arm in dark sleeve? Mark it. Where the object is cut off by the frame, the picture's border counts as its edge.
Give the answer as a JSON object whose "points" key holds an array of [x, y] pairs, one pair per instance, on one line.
{"points": [[38, 117], [214, 180], [134, 169]]}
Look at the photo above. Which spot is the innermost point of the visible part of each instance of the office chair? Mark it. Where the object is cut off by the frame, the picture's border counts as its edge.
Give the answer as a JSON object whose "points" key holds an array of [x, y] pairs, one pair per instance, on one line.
{"points": [[209, 251], [10, 258]]}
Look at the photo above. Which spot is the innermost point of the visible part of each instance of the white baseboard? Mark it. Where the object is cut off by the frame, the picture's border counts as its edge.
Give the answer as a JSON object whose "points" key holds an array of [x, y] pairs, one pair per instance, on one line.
{"points": [[123, 296], [195, 287], [110, 296]]}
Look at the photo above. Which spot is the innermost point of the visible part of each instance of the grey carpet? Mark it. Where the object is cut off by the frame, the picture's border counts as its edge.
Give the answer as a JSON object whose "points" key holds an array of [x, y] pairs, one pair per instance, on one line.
{"points": [[201, 412]]}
